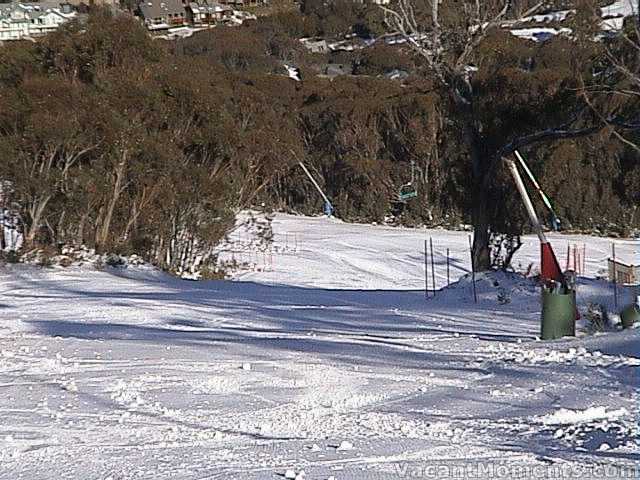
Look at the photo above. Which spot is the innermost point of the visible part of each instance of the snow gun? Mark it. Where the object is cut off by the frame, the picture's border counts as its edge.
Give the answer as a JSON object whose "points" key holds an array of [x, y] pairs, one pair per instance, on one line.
{"points": [[550, 271]]}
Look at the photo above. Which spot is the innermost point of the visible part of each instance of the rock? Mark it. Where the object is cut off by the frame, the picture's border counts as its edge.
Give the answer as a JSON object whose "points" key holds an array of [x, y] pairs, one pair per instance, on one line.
{"points": [[344, 445], [70, 386]]}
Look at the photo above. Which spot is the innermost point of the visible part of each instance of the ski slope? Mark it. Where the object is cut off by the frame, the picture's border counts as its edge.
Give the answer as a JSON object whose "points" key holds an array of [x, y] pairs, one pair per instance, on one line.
{"points": [[321, 252], [325, 361]]}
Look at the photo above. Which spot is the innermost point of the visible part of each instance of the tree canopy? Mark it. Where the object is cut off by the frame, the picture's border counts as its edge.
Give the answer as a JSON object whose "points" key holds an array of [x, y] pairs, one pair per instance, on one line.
{"points": [[113, 139]]}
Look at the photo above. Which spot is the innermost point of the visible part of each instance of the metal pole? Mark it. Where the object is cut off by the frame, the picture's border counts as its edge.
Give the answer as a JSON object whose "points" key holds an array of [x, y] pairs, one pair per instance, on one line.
{"points": [[526, 200], [2, 224], [426, 271], [473, 272], [615, 276], [313, 180], [433, 269], [549, 266], [545, 199], [448, 281]]}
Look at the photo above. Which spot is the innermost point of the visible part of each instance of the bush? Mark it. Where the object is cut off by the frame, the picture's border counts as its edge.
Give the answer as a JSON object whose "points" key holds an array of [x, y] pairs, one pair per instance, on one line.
{"points": [[597, 318], [10, 256], [212, 273], [115, 261]]}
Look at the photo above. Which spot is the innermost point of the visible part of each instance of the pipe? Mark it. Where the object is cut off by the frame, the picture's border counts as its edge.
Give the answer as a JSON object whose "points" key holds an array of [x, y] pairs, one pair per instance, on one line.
{"points": [[544, 197], [526, 200], [315, 184]]}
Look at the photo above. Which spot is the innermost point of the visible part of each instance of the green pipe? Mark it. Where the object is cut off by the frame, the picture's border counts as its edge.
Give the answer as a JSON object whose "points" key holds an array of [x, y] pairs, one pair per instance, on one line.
{"points": [[558, 314], [630, 315]]}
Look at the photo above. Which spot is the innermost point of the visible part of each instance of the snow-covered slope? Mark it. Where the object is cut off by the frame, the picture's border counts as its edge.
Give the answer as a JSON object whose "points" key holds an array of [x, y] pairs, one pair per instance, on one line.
{"points": [[321, 252], [331, 361]]}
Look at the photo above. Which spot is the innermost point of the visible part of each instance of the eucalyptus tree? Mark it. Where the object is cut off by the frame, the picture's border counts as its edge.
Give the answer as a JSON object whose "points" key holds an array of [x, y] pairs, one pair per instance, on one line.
{"points": [[451, 39]]}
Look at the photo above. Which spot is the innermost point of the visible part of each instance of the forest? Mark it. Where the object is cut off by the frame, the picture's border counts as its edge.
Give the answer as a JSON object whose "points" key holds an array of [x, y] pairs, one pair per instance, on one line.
{"points": [[113, 139]]}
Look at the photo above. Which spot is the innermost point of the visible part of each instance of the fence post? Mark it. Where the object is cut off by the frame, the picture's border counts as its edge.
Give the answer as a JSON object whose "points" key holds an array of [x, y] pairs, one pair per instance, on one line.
{"points": [[433, 269], [426, 271], [2, 224], [473, 272], [615, 275], [448, 281]]}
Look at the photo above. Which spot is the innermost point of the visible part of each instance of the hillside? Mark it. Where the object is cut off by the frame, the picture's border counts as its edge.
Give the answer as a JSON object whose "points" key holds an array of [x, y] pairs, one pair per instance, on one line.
{"points": [[127, 143]]}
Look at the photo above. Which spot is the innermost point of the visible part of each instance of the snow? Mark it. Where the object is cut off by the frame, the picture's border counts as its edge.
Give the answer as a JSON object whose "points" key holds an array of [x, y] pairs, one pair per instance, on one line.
{"points": [[328, 253], [539, 34], [559, 16], [325, 359], [565, 417], [293, 72], [344, 445]]}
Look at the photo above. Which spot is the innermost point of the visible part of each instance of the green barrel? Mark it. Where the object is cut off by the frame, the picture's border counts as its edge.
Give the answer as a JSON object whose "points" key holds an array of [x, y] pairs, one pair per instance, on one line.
{"points": [[558, 314], [630, 315]]}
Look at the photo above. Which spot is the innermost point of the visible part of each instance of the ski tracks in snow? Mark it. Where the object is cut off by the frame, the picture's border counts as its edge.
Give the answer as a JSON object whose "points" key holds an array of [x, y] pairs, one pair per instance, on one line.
{"points": [[133, 374]]}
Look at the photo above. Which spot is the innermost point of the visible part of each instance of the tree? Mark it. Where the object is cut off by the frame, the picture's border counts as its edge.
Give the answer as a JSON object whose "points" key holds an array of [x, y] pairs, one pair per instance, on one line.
{"points": [[615, 99], [110, 140], [46, 140], [449, 39]]}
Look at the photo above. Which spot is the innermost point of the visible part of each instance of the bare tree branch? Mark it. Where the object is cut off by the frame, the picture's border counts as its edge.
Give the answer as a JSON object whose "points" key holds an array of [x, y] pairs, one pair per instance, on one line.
{"points": [[546, 136]]}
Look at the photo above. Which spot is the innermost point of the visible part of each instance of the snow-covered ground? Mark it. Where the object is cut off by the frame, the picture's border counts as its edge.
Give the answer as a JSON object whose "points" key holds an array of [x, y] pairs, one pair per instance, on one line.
{"points": [[327, 359]]}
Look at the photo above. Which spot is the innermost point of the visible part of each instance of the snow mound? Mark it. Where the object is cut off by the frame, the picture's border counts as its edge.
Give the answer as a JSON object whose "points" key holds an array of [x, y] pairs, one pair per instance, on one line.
{"points": [[580, 356], [571, 417], [493, 287], [73, 256]]}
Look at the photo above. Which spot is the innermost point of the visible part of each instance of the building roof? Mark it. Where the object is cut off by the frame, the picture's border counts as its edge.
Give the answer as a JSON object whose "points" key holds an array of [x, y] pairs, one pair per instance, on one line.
{"points": [[205, 6], [160, 8], [32, 11]]}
